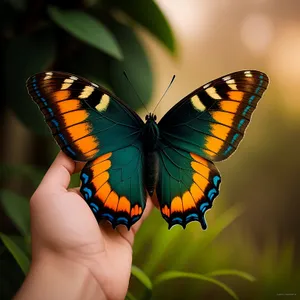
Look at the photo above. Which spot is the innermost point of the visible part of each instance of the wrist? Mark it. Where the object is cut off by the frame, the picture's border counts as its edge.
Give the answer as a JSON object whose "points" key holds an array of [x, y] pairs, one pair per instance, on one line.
{"points": [[53, 276]]}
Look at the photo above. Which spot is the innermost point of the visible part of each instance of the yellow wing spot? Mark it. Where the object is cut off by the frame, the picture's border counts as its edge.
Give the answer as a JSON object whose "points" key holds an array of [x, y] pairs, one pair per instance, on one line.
{"points": [[103, 104], [61, 95], [176, 205], [103, 187], [74, 117], [79, 130], [87, 144], [48, 75], [86, 92], [112, 201], [248, 74], [232, 84], [198, 105], [235, 95], [210, 153], [201, 169], [212, 92], [230, 106], [124, 205], [67, 83], [213, 144], [102, 158], [188, 201], [196, 192], [200, 181], [68, 105], [101, 167], [223, 117], [199, 159], [220, 131]]}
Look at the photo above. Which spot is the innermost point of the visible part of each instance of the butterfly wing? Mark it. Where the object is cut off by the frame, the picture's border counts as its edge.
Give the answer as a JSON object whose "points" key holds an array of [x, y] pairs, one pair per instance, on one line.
{"points": [[205, 126], [89, 124], [85, 119], [113, 187], [187, 186], [211, 121]]}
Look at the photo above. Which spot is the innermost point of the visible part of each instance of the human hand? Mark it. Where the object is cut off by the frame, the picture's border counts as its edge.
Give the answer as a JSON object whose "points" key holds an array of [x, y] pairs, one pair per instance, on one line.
{"points": [[65, 231]]}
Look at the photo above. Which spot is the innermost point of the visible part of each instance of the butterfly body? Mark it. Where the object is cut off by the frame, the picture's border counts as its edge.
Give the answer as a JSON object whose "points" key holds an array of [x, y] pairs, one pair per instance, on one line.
{"points": [[126, 157], [150, 143]]}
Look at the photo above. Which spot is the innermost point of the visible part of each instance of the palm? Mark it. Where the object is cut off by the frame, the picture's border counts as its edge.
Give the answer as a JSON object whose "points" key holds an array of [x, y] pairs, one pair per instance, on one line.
{"points": [[61, 220]]}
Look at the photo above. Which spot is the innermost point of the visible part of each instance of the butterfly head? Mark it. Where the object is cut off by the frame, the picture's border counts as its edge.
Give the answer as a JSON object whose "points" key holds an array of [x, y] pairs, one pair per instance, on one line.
{"points": [[150, 118]]}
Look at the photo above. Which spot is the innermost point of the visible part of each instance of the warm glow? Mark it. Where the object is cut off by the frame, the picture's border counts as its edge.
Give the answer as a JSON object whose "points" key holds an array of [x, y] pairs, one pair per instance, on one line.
{"points": [[257, 32]]}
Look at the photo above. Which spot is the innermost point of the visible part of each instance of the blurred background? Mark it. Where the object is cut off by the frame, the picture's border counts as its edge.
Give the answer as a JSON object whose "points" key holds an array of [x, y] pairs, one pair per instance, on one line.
{"points": [[251, 249]]}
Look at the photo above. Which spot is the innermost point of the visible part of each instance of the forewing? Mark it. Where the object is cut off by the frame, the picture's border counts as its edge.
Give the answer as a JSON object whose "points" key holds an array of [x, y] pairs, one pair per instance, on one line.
{"points": [[113, 187], [212, 120], [187, 186], [85, 119]]}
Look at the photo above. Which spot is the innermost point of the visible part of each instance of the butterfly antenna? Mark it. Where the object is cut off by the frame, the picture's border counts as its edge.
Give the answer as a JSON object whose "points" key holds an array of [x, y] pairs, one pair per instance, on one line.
{"points": [[173, 78], [125, 74]]}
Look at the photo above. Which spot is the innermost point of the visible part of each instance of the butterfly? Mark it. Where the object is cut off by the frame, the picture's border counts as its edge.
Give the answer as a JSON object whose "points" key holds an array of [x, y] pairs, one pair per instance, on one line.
{"points": [[126, 158]]}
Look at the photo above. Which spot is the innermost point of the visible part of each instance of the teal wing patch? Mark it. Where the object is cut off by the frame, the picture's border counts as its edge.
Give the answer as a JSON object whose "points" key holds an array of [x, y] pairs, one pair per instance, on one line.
{"points": [[113, 185], [187, 186]]}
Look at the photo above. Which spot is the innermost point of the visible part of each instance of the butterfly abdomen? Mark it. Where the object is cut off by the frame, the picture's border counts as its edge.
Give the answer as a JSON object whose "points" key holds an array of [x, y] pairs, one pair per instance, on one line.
{"points": [[151, 170], [150, 142]]}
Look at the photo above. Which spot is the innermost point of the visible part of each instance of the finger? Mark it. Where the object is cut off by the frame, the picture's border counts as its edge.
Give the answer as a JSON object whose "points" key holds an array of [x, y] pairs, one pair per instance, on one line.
{"points": [[59, 173], [79, 166]]}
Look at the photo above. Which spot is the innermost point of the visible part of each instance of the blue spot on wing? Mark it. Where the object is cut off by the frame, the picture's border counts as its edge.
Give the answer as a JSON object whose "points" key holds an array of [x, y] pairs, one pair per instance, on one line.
{"points": [[246, 110], [227, 150], [203, 206], [88, 193], [85, 178], [95, 207], [55, 122], [241, 123], [192, 216], [217, 180], [177, 219], [122, 219], [108, 216], [235, 138], [71, 151], [251, 99]]}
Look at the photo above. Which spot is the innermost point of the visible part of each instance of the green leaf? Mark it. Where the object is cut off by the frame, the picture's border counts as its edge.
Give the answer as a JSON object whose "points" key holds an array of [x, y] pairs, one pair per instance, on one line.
{"points": [[136, 65], [34, 174], [25, 56], [238, 273], [87, 29], [75, 181], [141, 276], [129, 296], [17, 209], [18, 254], [149, 15], [176, 275]]}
